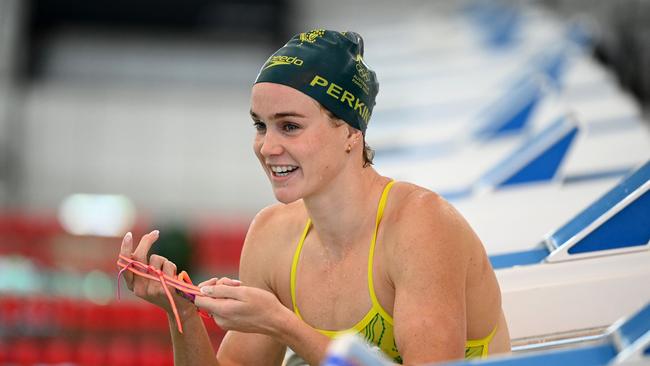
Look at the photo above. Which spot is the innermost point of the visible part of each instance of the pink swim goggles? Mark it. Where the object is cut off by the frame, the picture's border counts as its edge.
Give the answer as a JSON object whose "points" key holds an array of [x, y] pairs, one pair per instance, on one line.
{"points": [[182, 284]]}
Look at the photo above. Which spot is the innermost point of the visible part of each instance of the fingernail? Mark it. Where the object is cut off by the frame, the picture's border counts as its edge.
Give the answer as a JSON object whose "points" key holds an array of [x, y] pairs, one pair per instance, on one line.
{"points": [[128, 236], [155, 232], [205, 290]]}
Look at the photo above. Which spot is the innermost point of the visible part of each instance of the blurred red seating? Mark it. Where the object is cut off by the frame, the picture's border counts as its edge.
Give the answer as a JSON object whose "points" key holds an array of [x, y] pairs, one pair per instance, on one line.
{"points": [[28, 235], [24, 351], [67, 313], [57, 351], [153, 318], [91, 353], [4, 352], [37, 315], [10, 312], [121, 352], [155, 354], [218, 247]]}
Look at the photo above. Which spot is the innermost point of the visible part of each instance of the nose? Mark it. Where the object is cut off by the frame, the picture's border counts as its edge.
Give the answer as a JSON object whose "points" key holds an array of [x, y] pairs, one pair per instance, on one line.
{"points": [[270, 144]]}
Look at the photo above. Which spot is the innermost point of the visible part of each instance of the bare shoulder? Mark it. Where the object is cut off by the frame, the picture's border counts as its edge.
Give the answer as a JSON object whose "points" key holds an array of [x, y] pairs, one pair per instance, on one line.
{"points": [[273, 224], [274, 219], [412, 203], [269, 238], [418, 220]]}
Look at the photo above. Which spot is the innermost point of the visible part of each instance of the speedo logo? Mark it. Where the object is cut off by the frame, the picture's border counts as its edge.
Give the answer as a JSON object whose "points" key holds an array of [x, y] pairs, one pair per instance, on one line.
{"points": [[283, 60], [337, 92]]}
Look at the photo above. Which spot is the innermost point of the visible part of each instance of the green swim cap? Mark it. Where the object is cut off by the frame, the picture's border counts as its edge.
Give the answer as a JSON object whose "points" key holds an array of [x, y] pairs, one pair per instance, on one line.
{"points": [[328, 66]]}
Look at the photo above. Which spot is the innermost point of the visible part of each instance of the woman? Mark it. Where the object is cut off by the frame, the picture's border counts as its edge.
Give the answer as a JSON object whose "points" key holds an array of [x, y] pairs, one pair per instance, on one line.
{"points": [[346, 249]]}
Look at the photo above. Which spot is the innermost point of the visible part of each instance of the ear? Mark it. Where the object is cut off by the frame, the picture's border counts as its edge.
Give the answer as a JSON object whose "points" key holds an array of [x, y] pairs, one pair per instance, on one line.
{"points": [[354, 135]]}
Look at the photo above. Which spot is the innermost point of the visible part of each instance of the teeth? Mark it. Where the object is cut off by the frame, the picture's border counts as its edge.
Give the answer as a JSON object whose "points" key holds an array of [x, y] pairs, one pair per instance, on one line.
{"points": [[279, 169]]}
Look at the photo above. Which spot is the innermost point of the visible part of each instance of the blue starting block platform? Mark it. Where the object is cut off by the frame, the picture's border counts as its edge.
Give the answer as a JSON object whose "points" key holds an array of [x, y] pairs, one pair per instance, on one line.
{"points": [[510, 114], [617, 222], [538, 159]]}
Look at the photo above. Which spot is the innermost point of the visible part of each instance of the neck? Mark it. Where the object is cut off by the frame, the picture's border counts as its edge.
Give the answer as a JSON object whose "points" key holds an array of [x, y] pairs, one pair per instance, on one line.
{"points": [[343, 211]]}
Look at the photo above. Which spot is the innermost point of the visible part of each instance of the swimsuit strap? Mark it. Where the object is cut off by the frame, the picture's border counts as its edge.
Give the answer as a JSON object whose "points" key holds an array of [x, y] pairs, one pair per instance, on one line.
{"points": [[294, 266], [371, 255]]}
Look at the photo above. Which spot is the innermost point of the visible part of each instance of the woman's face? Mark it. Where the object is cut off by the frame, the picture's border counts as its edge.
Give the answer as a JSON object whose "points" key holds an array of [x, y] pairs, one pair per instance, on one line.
{"points": [[299, 148]]}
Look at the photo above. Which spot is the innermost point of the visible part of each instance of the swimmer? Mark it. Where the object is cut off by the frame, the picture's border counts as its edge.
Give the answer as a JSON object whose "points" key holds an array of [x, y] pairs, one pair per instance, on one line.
{"points": [[345, 249]]}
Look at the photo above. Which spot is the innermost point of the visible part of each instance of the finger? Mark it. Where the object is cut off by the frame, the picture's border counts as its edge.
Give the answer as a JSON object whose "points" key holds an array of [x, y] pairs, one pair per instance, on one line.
{"points": [[169, 268], [223, 291], [211, 305], [144, 286], [127, 245], [126, 249], [220, 281], [228, 282], [209, 282], [145, 244], [156, 261]]}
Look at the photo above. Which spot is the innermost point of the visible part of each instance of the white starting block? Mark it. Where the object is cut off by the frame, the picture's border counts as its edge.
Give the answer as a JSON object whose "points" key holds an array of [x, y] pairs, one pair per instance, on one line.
{"points": [[588, 273]]}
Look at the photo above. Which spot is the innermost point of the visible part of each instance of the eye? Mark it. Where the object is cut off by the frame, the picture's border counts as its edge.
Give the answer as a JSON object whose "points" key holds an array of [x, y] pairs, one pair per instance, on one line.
{"points": [[290, 127], [259, 126]]}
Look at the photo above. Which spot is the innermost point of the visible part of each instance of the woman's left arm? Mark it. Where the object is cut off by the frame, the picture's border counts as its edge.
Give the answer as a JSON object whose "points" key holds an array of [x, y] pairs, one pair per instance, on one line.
{"points": [[428, 268]]}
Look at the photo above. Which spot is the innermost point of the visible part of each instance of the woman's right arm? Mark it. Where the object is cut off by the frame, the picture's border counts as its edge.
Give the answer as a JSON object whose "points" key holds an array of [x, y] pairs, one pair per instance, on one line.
{"points": [[193, 347]]}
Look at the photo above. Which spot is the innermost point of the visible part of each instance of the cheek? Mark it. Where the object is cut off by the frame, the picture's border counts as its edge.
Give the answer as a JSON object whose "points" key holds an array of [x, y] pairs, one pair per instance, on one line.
{"points": [[325, 158], [257, 146]]}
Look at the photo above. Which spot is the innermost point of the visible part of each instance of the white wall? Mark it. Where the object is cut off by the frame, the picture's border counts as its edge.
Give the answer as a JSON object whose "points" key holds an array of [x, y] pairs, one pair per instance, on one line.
{"points": [[165, 123]]}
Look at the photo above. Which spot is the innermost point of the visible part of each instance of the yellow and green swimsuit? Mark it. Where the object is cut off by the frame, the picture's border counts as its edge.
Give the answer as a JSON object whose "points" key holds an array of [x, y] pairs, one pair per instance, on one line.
{"points": [[377, 326]]}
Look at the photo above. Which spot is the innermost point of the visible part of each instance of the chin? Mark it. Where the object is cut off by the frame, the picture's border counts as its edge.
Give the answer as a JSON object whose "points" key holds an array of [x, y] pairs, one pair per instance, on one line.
{"points": [[286, 195]]}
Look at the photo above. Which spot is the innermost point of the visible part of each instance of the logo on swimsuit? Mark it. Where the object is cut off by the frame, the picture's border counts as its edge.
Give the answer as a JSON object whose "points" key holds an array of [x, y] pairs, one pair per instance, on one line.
{"points": [[282, 60], [311, 36]]}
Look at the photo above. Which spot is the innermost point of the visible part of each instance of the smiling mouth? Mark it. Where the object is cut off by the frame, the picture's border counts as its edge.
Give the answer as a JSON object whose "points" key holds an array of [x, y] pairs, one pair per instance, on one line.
{"points": [[282, 170]]}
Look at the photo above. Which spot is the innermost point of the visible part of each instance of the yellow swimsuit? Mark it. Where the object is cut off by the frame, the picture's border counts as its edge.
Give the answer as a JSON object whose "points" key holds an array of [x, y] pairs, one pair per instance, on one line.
{"points": [[377, 326]]}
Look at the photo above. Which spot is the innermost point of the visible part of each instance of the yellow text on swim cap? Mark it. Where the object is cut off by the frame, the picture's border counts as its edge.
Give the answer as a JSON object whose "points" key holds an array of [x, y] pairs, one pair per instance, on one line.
{"points": [[337, 92]]}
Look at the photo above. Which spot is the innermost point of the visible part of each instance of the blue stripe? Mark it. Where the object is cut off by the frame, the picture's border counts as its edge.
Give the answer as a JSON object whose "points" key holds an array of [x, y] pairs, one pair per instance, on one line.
{"points": [[514, 124], [512, 112], [630, 227], [512, 259], [601, 205], [590, 355], [545, 166], [498, 174], [635, 327]]}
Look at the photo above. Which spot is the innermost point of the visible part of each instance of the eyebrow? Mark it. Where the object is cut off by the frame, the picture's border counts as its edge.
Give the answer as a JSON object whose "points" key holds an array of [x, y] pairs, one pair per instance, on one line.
{"points": [[280, 115]]}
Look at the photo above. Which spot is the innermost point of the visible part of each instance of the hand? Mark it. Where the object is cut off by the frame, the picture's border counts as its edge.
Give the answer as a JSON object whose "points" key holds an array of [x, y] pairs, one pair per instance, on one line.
{"points": [[147, 289], [240, 308]]}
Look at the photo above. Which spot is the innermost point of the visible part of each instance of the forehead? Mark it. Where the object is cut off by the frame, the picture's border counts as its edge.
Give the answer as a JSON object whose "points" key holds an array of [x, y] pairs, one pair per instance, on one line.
{"points": [[269, 98]]}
